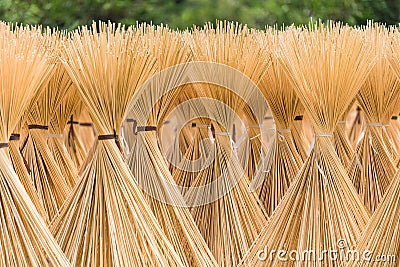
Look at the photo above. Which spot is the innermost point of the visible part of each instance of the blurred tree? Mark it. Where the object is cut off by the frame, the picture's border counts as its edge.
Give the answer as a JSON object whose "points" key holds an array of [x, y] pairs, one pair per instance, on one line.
{"points": [[181, 14]]}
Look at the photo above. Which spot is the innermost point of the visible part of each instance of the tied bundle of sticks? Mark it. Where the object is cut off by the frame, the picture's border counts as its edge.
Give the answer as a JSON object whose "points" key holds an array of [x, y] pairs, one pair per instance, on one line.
{"points": [[50, 183], [281, 161], [107, 221], [327, 65], [372, 167], [219, 213], [382, 233], [218, 193], [146, 160], [25, 65]]}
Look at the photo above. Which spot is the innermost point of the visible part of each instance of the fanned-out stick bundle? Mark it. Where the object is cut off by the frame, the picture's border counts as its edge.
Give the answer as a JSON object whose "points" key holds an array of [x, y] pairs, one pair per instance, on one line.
{"points": [[372, 167], [51, 186], [281, 161], [321, 207], [146, 160], [220, 212], [340, 139], [220, 145], [25, 65], [382, 235], [107, 221], [226, 214]]}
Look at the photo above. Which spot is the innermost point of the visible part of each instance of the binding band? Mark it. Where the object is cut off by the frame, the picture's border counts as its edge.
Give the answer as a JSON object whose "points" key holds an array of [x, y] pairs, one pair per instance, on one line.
{"points": [[107, 137], [146, 128], [268, 118], [15, 137], [394, 118], [85, 124], [315, 137], [113, 136], [37, 126], [298, 118], [71, 121], [3, 145], [137, 129]]}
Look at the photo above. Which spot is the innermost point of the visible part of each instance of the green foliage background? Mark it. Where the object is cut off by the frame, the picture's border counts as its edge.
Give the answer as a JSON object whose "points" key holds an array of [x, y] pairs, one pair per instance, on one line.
{"points": [[69, 14]]}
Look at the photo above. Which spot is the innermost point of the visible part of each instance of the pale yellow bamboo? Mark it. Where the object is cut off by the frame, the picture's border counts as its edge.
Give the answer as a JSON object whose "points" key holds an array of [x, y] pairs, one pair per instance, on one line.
{"points": [[107, 221], [321, 206], [25, 239], [372, 167]]}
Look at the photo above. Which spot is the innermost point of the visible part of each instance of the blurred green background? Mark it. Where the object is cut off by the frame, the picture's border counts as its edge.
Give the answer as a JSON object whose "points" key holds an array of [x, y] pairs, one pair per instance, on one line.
{"points": [[69, 14]]}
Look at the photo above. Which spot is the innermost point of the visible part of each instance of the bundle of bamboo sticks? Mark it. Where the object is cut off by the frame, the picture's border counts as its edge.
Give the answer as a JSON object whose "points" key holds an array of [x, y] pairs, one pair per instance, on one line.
{"points": [[146, 146]]}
